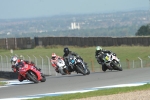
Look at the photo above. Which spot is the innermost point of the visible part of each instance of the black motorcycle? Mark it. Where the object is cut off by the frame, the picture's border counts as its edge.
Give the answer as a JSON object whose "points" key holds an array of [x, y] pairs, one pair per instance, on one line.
{"points": [[78, 65]]}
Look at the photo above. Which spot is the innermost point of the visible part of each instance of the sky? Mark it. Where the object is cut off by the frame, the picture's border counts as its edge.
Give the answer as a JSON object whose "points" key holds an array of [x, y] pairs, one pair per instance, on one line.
{"points": [[10, 9]]}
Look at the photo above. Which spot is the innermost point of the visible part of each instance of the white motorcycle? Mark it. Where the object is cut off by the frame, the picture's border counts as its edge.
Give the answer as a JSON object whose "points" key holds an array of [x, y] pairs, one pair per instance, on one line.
{"points": [[63, 69], [111, 62]]}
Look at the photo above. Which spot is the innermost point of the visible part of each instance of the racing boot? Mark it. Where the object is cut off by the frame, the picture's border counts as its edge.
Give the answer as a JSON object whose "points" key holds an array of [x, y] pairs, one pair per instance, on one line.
{"points": [[57, 70]]}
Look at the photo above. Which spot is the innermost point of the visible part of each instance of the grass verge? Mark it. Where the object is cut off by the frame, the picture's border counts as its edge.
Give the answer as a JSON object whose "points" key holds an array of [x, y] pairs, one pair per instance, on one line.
{"points": [[87, 53], [2, 83], [97, 93]]}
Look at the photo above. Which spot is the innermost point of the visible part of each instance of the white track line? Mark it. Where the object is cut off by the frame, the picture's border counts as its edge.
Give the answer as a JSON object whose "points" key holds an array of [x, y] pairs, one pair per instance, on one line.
{"points": [[68, 92]]}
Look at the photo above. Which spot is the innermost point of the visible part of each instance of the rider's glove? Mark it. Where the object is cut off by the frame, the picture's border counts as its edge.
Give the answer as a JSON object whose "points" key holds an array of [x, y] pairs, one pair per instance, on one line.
{"points": [[98, 56], [78, 56], [100, 62]]}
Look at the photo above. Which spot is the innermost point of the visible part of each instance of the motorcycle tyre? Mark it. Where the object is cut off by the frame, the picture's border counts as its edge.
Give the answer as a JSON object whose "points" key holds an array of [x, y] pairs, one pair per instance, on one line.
{"points": [[118, 68], [62, 72], [104, 67], [43, 78], [88, 72], [78, 67], [32, 78]]}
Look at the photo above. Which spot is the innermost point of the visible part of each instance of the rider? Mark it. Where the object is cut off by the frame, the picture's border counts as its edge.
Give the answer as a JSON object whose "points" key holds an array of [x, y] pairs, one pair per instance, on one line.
{"points": [[53, 61], [67, 52], [99, 53], [16, 63]]}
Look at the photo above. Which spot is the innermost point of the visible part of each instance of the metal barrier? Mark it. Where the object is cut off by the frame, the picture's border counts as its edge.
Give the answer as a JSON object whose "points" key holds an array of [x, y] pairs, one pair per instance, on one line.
{"points": [[43, 62], [40, 62]]}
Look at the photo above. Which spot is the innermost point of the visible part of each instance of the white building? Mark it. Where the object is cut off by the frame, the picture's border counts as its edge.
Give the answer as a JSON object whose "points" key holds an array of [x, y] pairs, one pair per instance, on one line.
{"points": [[75, 26]]}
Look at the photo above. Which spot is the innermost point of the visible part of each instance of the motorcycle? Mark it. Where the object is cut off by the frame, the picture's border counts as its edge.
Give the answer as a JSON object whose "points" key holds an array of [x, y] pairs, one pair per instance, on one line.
{"points": [[63, 69], [78, 65], [111, 62], [29, 72]]}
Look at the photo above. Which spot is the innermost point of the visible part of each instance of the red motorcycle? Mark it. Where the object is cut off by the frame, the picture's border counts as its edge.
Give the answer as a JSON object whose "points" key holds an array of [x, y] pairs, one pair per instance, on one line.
{"points": [[29, 72]]}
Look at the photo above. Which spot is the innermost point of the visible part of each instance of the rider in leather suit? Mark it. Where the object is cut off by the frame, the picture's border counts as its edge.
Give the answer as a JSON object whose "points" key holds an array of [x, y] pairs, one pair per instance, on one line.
{"points": [[99, 53], [67, 52], [53, 61]]}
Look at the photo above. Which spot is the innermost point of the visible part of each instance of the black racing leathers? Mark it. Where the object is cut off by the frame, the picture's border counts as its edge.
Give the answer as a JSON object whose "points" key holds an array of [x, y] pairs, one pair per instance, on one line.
{"points": [[99, 55], [65, 56]]}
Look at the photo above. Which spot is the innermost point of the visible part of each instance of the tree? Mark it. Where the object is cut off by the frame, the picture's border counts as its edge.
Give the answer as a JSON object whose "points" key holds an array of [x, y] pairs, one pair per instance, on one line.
{"points": [[143, 30]]}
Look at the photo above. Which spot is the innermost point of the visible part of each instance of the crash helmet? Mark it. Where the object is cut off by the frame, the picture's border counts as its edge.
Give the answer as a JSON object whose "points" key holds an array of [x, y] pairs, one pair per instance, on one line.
{"points": [[53, 56], [14, 60], [66, 50], [98, 48]]}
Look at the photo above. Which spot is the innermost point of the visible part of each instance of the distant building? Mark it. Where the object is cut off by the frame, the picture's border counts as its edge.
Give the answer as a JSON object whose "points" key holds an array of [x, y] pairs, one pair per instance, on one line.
{"points": [[75, 26]]}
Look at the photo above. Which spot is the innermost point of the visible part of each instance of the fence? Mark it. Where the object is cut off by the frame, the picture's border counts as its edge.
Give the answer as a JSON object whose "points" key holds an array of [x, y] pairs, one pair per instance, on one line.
{"points": [[26, 42], [15, 43], [92, 41], [43, 62]]}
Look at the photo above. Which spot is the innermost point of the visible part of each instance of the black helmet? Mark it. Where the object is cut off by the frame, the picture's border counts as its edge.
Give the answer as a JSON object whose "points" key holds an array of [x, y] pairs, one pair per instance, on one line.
{"points": [[66, 50]]}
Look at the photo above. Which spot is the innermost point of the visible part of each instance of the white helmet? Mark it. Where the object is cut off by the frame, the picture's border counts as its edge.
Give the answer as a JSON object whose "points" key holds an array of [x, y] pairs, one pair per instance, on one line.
{"points": [[53, 56], [98, 48], [14, 60]]}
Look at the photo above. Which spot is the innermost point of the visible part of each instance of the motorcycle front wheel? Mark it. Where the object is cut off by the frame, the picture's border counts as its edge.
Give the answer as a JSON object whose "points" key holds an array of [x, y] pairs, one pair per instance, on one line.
{"points": [[104, 67], [32, 77], [117, 66], [88, 72], [80, 68]]}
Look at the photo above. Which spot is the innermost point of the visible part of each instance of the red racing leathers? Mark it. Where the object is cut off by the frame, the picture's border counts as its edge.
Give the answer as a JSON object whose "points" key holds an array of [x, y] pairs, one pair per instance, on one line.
{"points": [[53, 63]]}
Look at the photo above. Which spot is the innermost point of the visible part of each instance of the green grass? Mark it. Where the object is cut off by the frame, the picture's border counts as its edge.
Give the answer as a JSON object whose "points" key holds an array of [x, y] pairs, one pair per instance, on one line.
{"points": [[125, 53], [96, 93], [87, 53], [2, 83]]}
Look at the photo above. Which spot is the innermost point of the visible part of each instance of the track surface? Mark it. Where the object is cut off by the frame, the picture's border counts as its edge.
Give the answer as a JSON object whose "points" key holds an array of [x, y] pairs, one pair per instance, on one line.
{"points": [[76, 82]]}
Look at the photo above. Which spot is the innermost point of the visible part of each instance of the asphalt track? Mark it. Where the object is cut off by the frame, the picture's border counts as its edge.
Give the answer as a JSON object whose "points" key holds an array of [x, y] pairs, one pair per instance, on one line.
{"points": [[76, 82]]}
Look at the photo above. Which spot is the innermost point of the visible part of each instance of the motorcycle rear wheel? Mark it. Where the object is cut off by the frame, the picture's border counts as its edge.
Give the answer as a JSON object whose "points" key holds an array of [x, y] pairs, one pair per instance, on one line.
{"points": [[43, 78]]}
